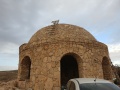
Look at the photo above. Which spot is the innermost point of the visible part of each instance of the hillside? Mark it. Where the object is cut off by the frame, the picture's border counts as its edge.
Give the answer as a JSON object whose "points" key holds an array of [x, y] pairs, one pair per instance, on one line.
{"points": [[6, 76]]}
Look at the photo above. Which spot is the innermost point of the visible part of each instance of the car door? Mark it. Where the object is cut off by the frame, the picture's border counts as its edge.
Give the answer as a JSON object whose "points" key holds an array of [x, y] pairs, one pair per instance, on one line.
{"points": [[71, 86]]}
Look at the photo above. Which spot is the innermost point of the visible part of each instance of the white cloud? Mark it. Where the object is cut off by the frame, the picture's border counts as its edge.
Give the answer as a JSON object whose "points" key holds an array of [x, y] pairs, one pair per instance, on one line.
{"points": [[7, 68], [114, 50], [20, 19], [9, 48]]}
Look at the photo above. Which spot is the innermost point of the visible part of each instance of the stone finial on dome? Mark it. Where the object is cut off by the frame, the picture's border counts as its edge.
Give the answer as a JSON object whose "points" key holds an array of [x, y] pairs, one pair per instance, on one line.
{"points": [[55, 22]]}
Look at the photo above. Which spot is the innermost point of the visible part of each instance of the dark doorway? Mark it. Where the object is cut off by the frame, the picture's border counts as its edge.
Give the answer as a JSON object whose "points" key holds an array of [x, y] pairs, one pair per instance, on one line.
{"points": [[106, 69], [69, 69], [25, 68]]}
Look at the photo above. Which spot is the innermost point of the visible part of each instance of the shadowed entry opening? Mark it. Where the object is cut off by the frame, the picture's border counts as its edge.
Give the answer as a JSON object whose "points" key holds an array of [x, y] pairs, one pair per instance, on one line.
{"points": [[69, 69], [25, 68], [106, 66]]}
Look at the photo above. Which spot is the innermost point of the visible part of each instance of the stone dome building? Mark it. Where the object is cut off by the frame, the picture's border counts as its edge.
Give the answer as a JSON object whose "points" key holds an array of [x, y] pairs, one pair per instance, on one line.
{"points": [[59, 52]]}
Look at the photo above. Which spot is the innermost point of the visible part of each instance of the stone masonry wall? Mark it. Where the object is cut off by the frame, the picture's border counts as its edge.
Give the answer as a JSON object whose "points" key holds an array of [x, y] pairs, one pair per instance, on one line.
{"points": [[45, 58]]}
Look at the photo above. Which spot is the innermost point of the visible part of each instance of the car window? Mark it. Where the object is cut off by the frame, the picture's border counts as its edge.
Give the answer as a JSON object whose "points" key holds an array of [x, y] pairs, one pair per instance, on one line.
{"points": [[72, 86], [98, 86]]}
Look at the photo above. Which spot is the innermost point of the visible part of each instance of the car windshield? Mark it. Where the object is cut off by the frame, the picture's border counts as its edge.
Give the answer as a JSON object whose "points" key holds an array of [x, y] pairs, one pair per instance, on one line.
{"points": [[98, 86]]}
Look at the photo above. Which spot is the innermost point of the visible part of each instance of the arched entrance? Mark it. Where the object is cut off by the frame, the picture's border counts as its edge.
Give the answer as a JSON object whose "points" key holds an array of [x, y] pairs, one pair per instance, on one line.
{"points": [[69, 69], [25, 68], [106, 66]]}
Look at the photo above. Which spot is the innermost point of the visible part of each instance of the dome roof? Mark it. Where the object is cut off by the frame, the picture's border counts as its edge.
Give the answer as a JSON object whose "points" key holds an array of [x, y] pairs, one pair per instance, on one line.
{"points": [[62, 32]]}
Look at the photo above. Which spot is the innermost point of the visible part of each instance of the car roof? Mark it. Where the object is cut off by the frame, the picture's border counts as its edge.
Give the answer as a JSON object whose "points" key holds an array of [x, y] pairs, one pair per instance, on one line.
{"points": [[90, 80]]}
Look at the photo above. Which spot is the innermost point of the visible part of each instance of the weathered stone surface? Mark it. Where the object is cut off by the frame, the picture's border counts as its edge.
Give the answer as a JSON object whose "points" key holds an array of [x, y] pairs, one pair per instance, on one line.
{"points": [[49, 84], [42, 58], [11, 85], [56, 88]]}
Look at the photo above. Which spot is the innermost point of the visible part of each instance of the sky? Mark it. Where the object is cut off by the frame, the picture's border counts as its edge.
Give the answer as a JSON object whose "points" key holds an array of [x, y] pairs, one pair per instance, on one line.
{"points": [[20, 19]]}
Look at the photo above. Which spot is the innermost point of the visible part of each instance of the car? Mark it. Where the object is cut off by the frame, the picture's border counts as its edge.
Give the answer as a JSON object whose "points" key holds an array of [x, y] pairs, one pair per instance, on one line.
{"points": [[90, 84]]}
